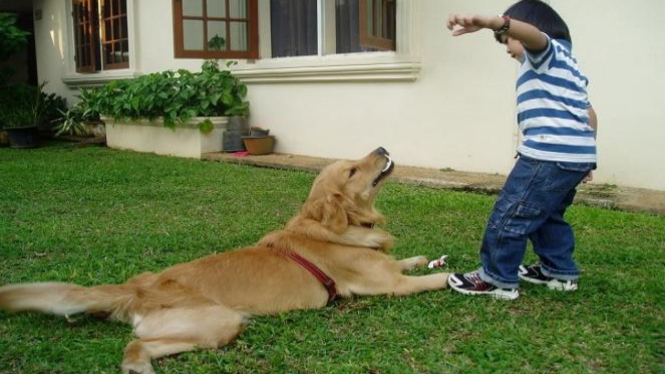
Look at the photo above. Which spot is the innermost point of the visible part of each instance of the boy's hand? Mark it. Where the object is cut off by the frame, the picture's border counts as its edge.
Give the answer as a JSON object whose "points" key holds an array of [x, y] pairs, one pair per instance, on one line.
{"points": [[469, 23]]}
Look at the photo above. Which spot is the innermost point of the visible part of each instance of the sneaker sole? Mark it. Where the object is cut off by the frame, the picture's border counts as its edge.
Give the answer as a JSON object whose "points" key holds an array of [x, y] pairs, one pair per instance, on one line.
{"points": [[497, 293], [532, 280], [561, 286], [552, 284]]}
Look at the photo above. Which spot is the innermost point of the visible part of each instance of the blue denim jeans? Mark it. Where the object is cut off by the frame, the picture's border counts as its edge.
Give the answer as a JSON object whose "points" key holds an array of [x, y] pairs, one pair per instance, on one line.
{"points": [[531, 206]]}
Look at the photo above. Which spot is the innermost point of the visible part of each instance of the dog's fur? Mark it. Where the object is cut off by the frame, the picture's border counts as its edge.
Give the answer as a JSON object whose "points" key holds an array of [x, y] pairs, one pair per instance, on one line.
{"points": [[204, 303]]}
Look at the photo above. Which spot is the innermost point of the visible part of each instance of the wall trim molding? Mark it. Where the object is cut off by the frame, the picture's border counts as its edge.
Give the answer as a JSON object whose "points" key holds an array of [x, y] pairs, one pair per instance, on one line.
{"points": [[382, 72]]}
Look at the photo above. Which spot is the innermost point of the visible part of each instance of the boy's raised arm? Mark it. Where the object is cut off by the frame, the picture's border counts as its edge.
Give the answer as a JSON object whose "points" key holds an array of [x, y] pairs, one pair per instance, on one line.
{"points": [[529, 35]]}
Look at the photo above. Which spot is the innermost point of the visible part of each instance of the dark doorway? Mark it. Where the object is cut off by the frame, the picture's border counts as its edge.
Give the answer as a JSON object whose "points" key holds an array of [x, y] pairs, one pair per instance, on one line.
{"points": [[24, 62]]}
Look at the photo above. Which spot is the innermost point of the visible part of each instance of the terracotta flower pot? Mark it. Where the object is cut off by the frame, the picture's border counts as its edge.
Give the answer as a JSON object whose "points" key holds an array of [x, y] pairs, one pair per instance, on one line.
{"points": [[259, 145]]}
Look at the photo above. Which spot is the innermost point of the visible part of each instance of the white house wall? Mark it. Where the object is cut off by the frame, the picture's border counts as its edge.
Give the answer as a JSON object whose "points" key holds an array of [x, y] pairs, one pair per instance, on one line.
{"points": [[50, 39], [459, 113], [621, 47]]}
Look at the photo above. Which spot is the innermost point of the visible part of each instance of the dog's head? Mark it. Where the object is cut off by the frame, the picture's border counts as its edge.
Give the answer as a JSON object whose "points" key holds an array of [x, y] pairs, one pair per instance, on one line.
{"points": [[343, 193]]}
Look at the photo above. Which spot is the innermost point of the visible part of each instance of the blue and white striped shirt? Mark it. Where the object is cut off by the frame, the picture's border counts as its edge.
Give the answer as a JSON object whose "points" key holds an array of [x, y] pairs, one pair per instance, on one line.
{"points": [[553, 106]]}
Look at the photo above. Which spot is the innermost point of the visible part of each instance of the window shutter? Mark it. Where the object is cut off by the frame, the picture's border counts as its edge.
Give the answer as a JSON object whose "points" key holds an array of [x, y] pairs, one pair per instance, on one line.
{"points": [[377, 24]]}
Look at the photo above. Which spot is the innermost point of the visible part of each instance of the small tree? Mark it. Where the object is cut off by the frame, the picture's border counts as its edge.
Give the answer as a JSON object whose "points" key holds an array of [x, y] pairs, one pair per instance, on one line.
{"points": [[12, 39]]}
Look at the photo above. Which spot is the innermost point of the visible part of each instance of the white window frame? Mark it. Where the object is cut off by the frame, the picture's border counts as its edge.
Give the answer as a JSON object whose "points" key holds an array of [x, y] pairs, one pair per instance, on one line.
{"points": [[74, 79], [400, 65]]}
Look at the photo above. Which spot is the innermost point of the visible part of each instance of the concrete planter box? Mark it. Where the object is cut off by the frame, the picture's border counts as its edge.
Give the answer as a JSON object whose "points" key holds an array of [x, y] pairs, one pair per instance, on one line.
{"points": [[151, 136]]}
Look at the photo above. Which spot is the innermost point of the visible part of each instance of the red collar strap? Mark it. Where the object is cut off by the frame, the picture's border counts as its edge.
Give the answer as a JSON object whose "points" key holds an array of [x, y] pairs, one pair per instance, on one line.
{"points": [[327, 282]]}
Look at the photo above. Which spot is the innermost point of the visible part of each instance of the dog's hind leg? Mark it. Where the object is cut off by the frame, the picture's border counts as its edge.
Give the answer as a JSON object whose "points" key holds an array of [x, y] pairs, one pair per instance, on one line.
{"points": [[170, 331]]}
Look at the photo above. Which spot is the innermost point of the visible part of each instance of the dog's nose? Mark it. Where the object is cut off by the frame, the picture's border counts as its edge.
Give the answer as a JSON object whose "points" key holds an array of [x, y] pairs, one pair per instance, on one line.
{"points": [[381, 151]]}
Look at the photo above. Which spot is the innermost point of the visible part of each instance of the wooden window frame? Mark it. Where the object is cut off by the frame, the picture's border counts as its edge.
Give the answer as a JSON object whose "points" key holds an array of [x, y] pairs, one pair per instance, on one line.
{"points": [[107, 35], [375, 39], [253, 30], [91, 35], [85, 35]]}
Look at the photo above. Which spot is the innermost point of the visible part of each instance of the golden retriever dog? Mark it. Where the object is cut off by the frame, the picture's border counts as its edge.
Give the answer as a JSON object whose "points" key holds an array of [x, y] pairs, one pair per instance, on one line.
{"points": [[331, 248]]}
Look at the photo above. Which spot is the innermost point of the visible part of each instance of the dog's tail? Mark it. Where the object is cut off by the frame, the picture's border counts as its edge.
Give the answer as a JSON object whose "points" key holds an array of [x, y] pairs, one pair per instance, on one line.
{"points": [[66, 299]]}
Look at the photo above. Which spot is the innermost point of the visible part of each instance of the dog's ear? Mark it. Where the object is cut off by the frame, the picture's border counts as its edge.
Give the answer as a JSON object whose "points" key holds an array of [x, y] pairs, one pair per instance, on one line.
{"points": [[328, 211]]}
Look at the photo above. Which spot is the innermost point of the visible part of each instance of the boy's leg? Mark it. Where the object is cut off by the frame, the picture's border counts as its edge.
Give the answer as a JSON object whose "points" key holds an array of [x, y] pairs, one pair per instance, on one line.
{"points": [[506, 235], [535, 192], [520, 210], [554, 243], [554, 240]]}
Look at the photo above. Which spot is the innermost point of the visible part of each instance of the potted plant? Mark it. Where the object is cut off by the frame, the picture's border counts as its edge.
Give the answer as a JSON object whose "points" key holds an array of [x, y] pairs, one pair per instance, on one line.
{"points": [[20, 127], [24, 108], [178, 113]]}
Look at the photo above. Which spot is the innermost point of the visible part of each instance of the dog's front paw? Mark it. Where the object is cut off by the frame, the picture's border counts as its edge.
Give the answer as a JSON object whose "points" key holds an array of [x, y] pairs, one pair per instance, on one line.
{"points": [[420, 261]]}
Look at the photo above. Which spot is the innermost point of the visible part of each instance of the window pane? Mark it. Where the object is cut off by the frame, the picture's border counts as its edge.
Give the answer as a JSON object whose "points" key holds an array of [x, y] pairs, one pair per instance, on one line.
{"points": [[238, 8], [123, 28], [217, 35], [216, 8], [108, 54], [193, 35], [108, 28], [293, 27], [347, 25], [369, 17], [117, 29], [192, 8], [125, 51], [365, 25], [378, 16], [239, 36]]}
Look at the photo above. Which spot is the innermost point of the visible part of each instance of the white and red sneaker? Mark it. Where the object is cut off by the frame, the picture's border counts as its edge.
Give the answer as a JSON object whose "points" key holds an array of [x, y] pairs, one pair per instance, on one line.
{"points": [[534, 274], [472, 284]]}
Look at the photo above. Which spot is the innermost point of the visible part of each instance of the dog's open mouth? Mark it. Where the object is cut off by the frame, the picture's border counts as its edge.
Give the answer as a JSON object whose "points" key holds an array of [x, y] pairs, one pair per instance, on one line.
{"points": [[390, 165]]}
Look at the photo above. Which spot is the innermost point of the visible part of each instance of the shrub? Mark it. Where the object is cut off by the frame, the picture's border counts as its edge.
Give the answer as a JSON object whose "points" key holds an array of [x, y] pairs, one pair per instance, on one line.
{"points": [[176, 96], [72, 121], [23, 105], [12, 39]]}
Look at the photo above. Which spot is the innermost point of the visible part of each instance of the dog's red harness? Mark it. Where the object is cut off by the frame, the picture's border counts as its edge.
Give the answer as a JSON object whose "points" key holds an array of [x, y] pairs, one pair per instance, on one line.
{"points": [[327, 282]]}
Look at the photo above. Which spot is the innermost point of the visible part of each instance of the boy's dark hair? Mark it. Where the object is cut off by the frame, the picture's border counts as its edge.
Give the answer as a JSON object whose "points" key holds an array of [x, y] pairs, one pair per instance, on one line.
{"points": [[540, 15]]}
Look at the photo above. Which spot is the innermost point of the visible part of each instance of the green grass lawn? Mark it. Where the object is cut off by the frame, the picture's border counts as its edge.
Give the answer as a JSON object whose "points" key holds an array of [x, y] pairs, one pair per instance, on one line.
{"points": [[94, 215]]}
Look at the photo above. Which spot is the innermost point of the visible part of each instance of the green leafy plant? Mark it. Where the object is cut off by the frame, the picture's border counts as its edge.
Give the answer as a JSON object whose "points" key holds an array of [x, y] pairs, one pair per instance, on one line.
{"points": [[175, 96], [12, 38], [217, 43], [72, 121], [16, 117], [22, 105], [54, 105]]}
